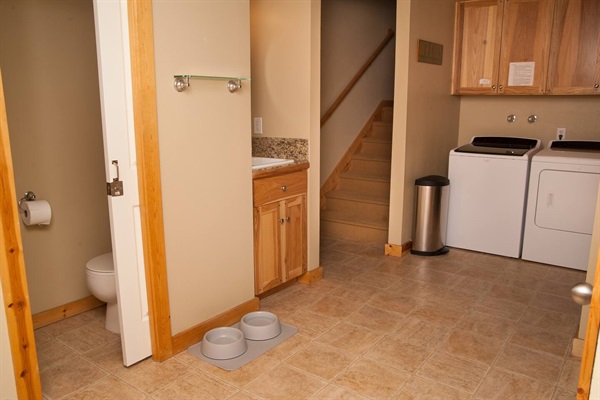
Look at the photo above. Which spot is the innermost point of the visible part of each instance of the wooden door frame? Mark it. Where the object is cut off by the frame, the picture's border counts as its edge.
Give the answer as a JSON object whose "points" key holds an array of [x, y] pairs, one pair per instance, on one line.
{"points": [[12, 274], [12, 264], [141, 44], [591, 339]]}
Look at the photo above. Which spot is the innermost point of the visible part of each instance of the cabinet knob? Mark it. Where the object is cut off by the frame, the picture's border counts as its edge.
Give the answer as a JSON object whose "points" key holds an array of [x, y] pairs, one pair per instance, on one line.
{"points": [[500, 87], [281, 220], [284, 188], [596, 86], [494, 88]]}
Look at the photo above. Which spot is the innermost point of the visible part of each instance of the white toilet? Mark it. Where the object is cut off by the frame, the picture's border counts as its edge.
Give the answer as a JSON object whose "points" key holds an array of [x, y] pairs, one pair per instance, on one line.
{"points": [[100, 278]]}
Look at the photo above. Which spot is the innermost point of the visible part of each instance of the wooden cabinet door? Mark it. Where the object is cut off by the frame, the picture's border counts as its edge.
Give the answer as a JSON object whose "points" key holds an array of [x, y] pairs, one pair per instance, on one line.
{"points": [[526, 30], [477, 46], [267, 247], [574, 66], [295, 237]]}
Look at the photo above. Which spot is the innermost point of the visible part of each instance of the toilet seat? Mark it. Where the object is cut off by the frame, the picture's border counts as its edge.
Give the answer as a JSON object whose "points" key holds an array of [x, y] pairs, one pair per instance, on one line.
{"points": [[102, 264]]}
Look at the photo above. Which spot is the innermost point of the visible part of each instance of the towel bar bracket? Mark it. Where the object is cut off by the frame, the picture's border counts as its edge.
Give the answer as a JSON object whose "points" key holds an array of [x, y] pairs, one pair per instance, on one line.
{"points": [[182, 82]]}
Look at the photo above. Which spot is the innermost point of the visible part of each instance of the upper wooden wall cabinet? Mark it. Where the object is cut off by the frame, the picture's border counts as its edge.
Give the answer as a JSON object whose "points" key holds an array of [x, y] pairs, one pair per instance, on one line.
{"points": [[529, 47]]}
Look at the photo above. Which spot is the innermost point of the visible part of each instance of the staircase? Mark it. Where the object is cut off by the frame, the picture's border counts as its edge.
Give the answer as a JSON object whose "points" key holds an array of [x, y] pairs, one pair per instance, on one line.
{"points": [[356, 197]]}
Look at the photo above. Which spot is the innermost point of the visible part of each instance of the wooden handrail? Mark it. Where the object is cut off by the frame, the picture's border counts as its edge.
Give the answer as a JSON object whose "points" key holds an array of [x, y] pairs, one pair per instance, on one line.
{"points": [[359, 74]]}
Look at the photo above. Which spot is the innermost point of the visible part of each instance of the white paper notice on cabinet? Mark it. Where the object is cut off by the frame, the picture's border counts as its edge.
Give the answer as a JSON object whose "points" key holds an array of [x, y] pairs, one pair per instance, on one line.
{"points": [[521, 73]]}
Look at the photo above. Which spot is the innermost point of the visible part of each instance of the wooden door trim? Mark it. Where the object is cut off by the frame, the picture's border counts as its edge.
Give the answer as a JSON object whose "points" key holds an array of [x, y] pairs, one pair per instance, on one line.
{"points": [[591, 340], [141, 42], [12, 274]]}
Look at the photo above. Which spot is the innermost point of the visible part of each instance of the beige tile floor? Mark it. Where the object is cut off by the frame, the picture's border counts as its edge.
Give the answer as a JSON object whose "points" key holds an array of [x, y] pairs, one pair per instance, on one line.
{"points": [[461, 326]]}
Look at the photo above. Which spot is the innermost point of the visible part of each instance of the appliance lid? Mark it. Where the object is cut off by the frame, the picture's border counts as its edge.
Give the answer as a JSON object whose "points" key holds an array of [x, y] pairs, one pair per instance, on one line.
{"points": [[590, 146], [497, 145]]}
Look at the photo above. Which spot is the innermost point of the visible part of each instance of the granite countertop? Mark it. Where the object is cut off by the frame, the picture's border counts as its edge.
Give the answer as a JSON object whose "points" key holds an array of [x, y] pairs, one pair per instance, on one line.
{"points": [[273, 147], [283, 148], [280, 169]]}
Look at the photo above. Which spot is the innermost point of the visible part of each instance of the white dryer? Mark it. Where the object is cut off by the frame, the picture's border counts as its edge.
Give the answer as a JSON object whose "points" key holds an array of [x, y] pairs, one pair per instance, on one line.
{"points": [[488, 191], [563, 188]]}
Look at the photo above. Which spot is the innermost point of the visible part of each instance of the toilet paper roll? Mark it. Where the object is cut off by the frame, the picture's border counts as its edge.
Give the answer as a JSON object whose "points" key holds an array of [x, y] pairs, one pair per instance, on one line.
{"points": [[36, 212]]}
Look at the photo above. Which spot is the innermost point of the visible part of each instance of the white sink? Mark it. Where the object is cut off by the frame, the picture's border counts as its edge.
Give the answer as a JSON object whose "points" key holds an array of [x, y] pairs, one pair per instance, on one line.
{"points": [[266, 162]]}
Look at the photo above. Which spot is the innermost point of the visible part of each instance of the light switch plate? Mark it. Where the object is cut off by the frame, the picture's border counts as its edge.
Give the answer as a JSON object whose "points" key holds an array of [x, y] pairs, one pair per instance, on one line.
{"points": [[257, 126]]}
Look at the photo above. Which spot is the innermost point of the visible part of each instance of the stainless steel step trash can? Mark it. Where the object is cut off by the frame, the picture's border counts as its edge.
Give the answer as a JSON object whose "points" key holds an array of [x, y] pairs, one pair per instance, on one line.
{"points": [[431, 199]]}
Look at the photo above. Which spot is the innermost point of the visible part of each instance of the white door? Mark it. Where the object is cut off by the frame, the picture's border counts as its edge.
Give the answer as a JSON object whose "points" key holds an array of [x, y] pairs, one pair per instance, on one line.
{"points": [[114, 69]]}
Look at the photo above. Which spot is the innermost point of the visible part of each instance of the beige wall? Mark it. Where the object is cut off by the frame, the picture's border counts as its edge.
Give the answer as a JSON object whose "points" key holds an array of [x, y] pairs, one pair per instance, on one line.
{"points": [[48, 59], [425, 115], [486, 115], [351, 31], [281, 49], [285, 54], [205, 155]]}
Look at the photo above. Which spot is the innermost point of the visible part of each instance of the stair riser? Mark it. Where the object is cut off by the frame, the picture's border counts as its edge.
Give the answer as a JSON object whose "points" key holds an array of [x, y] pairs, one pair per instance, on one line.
{"points": [[367, 210], [353, 232], [381, 131], [378, 167], [387, 114], [362, 186], [377, 148]]}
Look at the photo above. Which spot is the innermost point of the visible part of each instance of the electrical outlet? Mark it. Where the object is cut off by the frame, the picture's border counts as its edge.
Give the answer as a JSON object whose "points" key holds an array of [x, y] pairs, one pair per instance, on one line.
{"points": [[257, 127], [561, 133]]}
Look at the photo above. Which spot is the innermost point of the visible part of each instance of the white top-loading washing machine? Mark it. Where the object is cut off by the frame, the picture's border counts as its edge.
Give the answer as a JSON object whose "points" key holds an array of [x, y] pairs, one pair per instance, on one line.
{"points": [[563, 190], [488, 191]]}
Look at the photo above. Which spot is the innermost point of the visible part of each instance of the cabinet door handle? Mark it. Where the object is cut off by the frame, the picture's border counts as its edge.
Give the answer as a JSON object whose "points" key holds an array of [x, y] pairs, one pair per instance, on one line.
{"points": [[596, 86], [284, 188], [494, 88], [500, 87], [281, 220]]}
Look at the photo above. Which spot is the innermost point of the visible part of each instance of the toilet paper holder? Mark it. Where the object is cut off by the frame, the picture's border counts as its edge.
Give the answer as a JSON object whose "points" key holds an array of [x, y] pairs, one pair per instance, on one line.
{"points": [[29, 196]]}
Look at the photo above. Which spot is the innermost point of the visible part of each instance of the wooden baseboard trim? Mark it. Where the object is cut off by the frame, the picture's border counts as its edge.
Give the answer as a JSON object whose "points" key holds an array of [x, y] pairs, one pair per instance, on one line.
{"points": [[65, 311], [311, 276], [185, 339], [398, 250]]}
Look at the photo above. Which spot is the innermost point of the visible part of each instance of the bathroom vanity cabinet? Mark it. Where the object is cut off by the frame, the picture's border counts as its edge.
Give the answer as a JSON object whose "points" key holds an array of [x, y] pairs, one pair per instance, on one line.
{"points": [[280, 228]]}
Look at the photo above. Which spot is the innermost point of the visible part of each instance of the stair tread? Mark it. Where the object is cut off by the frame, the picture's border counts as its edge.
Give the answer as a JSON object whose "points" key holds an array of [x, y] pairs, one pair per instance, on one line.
{"points": [[372, 157], [358, 196], [378, 139], [359, 207], [341, 217], [365, 176]]}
